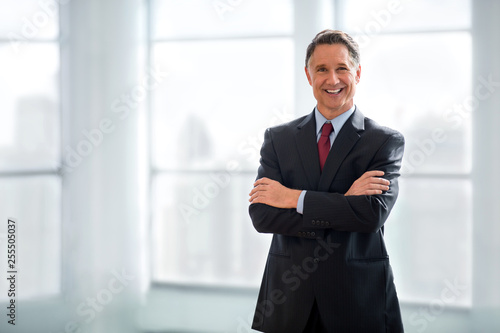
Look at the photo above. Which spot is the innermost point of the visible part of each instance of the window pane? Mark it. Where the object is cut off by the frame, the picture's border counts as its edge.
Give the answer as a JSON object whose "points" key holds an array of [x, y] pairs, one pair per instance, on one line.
{"points": [[221, 18], [30, 135], [429, 238], [421, 85], [217, 99], [202, 230], [374, 16], [22, 21], [35, 203]]}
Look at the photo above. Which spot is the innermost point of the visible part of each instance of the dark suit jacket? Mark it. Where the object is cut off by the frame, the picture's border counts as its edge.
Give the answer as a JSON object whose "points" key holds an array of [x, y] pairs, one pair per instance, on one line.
{"points": [[334, 253]]}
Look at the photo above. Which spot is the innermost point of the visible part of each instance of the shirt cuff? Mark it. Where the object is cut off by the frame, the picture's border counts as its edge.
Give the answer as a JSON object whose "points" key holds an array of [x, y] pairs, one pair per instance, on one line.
{"points": [[300, 202]]}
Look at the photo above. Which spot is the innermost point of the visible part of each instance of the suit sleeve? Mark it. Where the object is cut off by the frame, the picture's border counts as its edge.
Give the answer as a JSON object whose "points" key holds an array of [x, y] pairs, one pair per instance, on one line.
{"points": [[365, 213], [268, 219]]}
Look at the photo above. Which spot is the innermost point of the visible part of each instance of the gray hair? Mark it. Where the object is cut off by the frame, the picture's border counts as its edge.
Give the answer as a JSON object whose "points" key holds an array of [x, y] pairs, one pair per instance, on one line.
{"points": [[330, 37]]}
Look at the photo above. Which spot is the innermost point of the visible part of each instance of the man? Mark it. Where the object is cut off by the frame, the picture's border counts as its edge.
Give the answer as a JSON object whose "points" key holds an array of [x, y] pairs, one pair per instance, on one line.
{"points": [[320, 191]]}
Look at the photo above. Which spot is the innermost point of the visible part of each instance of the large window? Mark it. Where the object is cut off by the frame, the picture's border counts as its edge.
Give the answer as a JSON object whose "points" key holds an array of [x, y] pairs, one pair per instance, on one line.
{"points": [[231, 71], [230, 76], [30, 186], [416, 59]]}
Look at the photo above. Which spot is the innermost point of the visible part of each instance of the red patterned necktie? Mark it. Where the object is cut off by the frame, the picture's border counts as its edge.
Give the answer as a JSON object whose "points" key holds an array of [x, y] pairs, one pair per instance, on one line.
{"points": [[324, 143]]}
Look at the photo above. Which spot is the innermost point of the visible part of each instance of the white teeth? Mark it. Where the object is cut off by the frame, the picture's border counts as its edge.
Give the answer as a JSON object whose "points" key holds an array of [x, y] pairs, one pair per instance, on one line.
{"points": [[334, 91]]}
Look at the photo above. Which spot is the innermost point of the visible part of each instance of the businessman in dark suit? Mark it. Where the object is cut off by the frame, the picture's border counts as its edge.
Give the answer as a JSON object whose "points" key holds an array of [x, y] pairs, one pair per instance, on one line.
{"points": [[325, 186]]}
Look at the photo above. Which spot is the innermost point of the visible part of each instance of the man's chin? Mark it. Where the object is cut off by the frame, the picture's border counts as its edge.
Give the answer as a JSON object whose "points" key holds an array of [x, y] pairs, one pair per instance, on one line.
{"points": [[336, 108]]}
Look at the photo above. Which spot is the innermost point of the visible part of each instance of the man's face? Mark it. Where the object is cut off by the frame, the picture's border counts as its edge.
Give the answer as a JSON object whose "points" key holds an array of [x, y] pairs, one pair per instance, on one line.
{"points": [[333, 79]]}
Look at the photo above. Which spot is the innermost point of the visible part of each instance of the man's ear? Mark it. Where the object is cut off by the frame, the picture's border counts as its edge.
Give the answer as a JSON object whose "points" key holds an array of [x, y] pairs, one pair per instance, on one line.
{"points": [[358, 74], [308, 76]]}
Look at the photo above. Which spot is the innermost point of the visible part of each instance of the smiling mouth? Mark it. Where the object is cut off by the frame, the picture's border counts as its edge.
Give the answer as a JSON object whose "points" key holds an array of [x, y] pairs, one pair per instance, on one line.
{"points": [[334, 92]]}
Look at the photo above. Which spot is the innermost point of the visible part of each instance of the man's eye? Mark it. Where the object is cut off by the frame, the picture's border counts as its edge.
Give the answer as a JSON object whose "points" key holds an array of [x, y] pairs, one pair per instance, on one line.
{"points": [[342, 69], [321, 69]]}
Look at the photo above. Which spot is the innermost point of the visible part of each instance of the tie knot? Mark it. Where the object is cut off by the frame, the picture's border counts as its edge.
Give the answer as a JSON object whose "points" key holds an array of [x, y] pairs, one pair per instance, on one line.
{"points": [[327, 129]]}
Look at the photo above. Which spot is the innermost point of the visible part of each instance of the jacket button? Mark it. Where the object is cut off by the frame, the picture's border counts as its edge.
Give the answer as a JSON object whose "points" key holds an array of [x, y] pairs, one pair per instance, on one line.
{"points": [[327, 223], [313, 234], [316, 260], [313, 222]]}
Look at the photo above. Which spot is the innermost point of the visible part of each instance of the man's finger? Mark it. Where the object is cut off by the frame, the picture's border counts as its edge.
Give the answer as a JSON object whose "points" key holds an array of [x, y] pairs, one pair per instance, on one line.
{"points": [[372, 192], [263, 180], [258, 188], [252, 198], [376, 185], [372, 173], [370, 181], [255, 195], [376, 180]]}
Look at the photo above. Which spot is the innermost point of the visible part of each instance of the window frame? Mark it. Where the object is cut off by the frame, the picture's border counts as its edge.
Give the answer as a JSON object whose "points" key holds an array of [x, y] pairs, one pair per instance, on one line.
{"points": [[306, 25], [55, 173]]}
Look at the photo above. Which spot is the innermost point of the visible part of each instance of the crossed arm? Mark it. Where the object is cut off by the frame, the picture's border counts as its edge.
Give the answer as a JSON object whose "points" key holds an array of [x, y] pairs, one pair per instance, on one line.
{"points": [[364, 207], [272, 193]]}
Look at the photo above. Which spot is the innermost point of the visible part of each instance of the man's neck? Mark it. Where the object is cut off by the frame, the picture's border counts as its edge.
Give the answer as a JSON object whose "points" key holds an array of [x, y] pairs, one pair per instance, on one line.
{"points": [[331, 114]]}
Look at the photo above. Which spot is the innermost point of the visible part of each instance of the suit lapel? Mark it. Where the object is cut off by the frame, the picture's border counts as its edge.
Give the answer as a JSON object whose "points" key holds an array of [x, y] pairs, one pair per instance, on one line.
{"points": [[345, 140], [308, 149]]}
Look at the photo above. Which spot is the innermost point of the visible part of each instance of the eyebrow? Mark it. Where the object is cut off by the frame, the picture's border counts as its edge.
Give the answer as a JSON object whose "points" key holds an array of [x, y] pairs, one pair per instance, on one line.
{"points": [[342, 64]]}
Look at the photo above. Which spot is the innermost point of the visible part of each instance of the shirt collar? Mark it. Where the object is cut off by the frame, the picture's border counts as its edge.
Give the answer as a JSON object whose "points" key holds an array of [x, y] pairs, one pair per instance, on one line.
{"points": [[337, 122]]}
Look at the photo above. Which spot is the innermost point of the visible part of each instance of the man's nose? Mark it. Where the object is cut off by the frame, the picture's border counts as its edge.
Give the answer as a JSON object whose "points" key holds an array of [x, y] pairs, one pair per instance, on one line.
{"points": [[333, 78]]}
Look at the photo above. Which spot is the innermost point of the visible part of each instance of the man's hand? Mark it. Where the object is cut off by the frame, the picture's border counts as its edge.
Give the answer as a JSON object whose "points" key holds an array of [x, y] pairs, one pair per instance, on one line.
{"points": [[369, 183], [272, 193]]}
